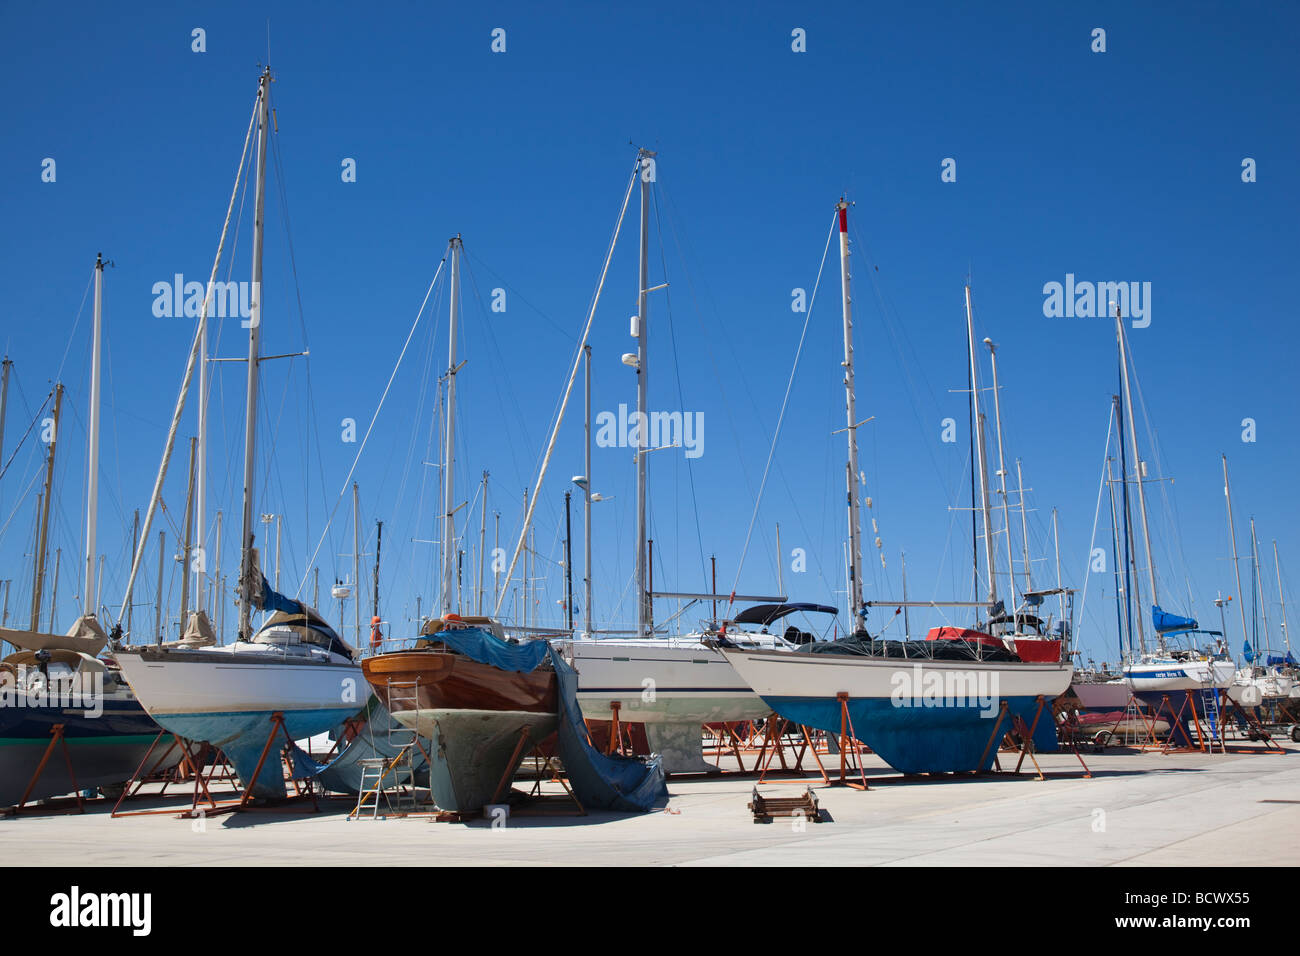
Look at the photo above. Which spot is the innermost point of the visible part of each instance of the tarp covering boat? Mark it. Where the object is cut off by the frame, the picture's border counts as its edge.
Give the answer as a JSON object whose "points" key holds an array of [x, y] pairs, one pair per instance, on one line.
{"points": [[603, 781], [483, 647], [1166, 623], [938, 649], [1276, 661]]}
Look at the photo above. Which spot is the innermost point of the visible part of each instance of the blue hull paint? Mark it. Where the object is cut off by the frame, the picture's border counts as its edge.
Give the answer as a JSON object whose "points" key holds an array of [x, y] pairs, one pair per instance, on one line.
{"points": [[921, 739], [242, 736]]}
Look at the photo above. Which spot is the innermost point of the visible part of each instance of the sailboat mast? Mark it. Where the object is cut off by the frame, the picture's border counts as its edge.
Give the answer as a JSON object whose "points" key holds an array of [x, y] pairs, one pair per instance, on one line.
{"points": [[851, 414], [356, 562], [1232, 541], [4, 401], [201, 460], [482, 542], [1024, 527], [1139, 468], [1259, 579], [1056, 544], [187, 541], [449, 443], [92, 441], [1002, 474], [586, 499], [43, 536], [979, 451], [246, 554], [645, 605], [1277, 565]]}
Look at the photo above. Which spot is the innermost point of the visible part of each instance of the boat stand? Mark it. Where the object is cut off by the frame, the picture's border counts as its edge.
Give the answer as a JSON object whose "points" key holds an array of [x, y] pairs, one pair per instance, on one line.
{"points": [[847, 737], [56, 740], [1176, 723], [1027, 739], [776, 738], [191, 762], [1255, 726]]}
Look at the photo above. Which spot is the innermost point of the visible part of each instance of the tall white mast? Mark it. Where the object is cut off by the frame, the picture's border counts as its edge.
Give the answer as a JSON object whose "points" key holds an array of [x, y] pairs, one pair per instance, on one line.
{"points": [[645, 605], [1259, 583], [980, 455], [1024, 527], [1286, 636], [1138, 466], [851, 413], [1002, 474], [356, 562], [92, 442], [1232, 540], [201, 461], [246, 552], [449, 443], [586, 502]]}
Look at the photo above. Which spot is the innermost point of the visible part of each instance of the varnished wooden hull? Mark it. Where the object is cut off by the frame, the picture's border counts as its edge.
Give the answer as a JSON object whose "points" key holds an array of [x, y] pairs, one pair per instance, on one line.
{"points": [[446, 681], [474, 715]]}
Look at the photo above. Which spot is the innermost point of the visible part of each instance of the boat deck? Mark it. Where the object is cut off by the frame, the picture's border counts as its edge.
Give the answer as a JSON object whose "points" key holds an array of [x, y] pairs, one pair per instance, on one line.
{"points": [[1138, 809]]}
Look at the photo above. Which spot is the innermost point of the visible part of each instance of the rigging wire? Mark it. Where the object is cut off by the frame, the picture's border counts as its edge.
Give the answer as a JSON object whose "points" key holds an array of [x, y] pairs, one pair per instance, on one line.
{"points": [[781, 417]]}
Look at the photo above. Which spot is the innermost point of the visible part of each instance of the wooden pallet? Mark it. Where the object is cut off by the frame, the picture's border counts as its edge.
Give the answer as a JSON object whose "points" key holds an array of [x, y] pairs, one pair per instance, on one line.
{"points": [[766, 808]]}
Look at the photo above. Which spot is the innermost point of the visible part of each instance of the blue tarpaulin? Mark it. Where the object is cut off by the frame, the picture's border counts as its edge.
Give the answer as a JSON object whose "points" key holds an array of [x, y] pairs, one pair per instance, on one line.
{"points": [[1248, 652], [272, 600], [600, 780], [1276, 661], [1165, 622], [476, 643]]}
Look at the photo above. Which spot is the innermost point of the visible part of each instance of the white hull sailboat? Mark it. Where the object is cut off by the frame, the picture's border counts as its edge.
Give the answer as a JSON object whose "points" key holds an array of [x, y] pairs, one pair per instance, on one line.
{"points": [[294, 678]]}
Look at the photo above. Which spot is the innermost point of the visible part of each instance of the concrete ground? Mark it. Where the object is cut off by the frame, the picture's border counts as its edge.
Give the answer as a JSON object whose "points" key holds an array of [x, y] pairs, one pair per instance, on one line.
{"points": [[1137, 809]]}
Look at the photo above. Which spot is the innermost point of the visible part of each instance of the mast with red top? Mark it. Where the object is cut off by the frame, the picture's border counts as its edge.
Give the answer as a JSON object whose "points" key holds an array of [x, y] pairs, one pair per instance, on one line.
{"points": [[856, 606]]}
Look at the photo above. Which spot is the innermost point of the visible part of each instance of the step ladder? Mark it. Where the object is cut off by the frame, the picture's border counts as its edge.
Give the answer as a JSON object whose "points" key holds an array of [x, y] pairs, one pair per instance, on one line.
{"points": [[391, 780], [1213, 715]]}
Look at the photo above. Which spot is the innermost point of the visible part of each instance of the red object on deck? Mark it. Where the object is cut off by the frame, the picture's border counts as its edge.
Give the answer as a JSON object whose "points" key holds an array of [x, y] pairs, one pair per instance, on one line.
{"points": [[1031, 650], [962, 634], [1038, 650]]}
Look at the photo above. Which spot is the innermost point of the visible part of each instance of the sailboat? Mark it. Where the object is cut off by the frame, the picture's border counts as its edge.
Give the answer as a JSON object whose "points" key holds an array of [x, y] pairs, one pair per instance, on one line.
{"points": [[673, 685], [929, 706], [481, 702], [1266, 680], [1160, 676], [294, 674], [57, 680]]}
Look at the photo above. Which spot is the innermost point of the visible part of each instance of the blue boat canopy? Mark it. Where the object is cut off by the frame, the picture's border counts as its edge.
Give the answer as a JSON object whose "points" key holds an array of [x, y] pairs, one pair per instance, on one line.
{"points": [[1165, 622], [1275, 660]]}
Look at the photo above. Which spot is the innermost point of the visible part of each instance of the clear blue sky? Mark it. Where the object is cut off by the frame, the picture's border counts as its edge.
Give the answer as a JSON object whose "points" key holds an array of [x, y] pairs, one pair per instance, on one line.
{"points": [[1122, 165]]}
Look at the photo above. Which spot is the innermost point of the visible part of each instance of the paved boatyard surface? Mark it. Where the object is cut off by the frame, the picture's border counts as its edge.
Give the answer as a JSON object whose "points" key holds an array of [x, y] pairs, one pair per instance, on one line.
{"points": [[1138, 809]]}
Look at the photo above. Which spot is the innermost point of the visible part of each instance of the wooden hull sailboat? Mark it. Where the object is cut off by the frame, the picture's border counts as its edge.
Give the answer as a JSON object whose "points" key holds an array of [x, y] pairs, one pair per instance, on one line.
{"points": [[481, 717]]}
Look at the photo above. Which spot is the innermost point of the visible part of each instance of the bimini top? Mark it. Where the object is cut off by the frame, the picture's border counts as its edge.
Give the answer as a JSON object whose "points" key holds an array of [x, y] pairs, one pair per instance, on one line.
{"points": [[765, 614], [306, 626]]}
